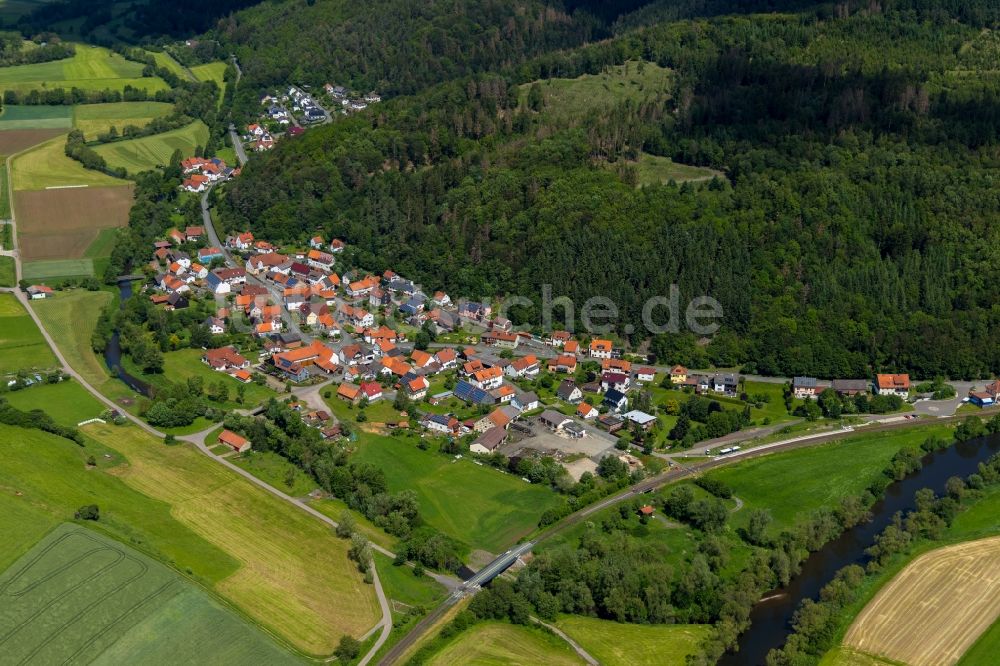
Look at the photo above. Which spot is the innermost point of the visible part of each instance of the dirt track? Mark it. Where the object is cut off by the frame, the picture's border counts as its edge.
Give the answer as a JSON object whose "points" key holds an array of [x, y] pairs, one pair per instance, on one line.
{"points": [[935, 608]]}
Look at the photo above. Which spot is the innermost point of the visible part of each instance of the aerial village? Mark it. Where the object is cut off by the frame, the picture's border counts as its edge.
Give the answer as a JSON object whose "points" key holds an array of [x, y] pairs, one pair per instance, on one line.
{"points": [[458, 369]]}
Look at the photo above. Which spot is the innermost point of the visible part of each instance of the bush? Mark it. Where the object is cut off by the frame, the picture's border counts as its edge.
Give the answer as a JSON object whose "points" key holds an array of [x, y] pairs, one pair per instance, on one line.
{"points": [[347, 649], [88, 512]]}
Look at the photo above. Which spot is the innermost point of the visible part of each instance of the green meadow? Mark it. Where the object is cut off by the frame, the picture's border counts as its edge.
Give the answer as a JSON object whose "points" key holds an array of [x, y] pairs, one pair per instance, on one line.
{"points": [[617, 644], [477, 505], [22, 346], [91, 68]]}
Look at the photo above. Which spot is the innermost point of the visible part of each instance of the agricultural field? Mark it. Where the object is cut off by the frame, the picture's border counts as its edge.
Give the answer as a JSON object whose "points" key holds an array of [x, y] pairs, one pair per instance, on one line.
{"points": [[36, 117], [53, 271], [617, 644], [479, 506], [985, 650], [295, 576], [182, 364], [570, 100], [935, 609], [793, 484], [94, 119], [80, 596], [22, 346], [91, 68], [47, 166], [149, 152], [8, 274], [500, 643], [14, 141], [65, 223]]}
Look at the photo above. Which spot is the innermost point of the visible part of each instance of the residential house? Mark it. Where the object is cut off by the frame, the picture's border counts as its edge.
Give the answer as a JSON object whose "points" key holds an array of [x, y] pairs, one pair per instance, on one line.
{"points": [[617, 365], [194, 233], [805, 388], [601, 348], [349, 393], [447, 358], [897, 384], [234, 441], [724, 383], [571, 347], [441, 299], [320, 260], [224, 358], [442, 423], [569, 392], [558, 339], [241, 242], [487, 379], [372, 391], [207, 254], [615, 381], [526, 367], [586, 411], [645, 374], [678, 374], [489, 441], [526, 401], [642, 419], [215, 325], [416, 388], [615, 400], [563, 363]]}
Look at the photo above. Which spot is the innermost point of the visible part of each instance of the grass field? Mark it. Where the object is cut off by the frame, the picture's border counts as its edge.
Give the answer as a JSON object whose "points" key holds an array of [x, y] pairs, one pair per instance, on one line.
{"points": [[793, 484], [91, 68], [51, 271], [844, 656], [497, 643], [103, 245], [93, 119], [212, 71], [654, 169], [179, 365], [167, 61], [65, 223], [79, 596], [8, 274], [616, 644], [571, 99], [22, 346], [150, 152], [276, 471], [295, 579], [47, 166], [402, 586], [334, 508], [70, 318], [477, 505], [935, 609], [36, 117], [67, 402]]}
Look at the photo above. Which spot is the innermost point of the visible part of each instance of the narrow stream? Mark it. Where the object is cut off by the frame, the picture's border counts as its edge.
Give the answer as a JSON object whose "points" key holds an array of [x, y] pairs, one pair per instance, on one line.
{"points": [[771, 617], [113, 351]]}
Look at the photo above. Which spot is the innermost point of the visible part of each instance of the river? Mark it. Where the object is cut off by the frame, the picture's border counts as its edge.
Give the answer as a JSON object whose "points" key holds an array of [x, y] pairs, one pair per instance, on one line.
{"points": [[113, 351], [771, 618]]}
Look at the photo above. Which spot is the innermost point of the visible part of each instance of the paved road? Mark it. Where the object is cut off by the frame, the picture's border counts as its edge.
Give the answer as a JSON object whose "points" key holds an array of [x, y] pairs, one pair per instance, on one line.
{"points": [[241, 153]]}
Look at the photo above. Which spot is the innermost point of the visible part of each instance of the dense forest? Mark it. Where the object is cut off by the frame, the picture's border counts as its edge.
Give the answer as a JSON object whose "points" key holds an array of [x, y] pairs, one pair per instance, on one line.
{"points": [[856, 228]]}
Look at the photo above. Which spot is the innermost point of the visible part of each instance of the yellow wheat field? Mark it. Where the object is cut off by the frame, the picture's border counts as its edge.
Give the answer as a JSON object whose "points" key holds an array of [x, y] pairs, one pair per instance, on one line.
{"points": [[935, 608]]}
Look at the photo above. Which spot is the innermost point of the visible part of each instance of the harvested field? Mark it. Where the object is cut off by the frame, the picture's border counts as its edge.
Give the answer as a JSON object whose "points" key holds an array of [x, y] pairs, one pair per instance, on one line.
{"points": [[62, 224], [935, 608], [15, 140]]}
